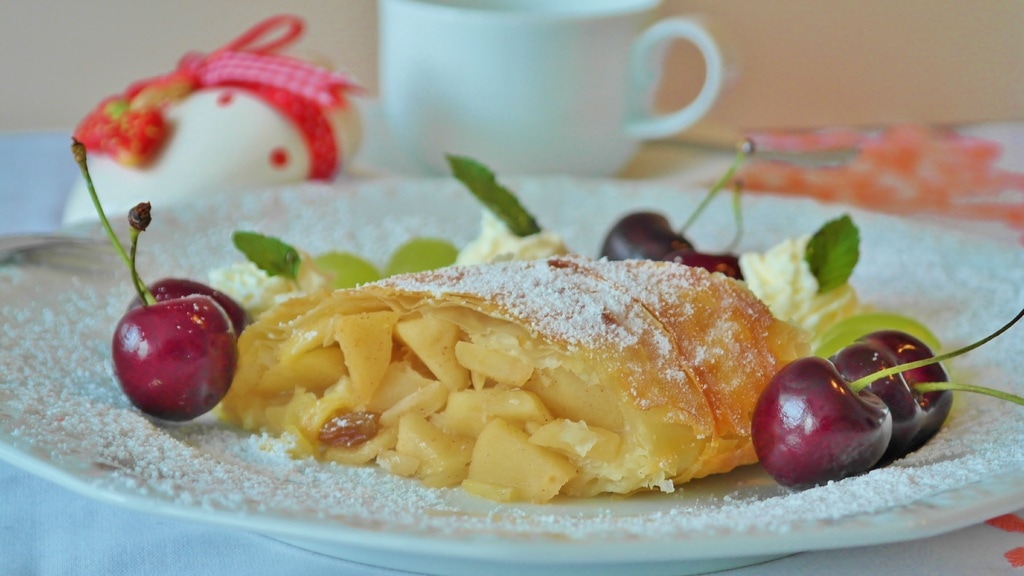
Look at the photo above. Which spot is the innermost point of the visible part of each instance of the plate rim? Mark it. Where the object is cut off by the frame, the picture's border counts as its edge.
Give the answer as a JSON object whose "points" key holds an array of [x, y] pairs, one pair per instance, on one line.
{"points": [[922, 519]]}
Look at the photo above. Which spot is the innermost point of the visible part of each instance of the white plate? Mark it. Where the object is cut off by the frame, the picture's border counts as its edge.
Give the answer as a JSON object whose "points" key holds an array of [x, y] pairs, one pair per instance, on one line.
{"points": [[63, 418]]}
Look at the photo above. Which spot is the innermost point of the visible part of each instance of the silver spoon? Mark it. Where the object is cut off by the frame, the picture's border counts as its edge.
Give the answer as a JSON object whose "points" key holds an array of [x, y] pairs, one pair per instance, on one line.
{"points": [[56, 251]]}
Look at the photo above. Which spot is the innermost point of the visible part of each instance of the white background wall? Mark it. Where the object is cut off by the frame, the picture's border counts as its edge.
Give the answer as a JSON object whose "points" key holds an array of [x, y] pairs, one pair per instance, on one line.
{"points": [[797, 63]]}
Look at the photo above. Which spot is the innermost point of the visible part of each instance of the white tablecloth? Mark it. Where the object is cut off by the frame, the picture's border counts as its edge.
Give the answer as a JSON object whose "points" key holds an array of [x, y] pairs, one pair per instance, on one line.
{"points": [[49, 530]]}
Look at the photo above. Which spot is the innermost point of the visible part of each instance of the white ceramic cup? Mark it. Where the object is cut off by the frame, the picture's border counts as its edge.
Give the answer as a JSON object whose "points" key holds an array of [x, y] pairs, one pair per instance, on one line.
{"points": [[533, 86]]}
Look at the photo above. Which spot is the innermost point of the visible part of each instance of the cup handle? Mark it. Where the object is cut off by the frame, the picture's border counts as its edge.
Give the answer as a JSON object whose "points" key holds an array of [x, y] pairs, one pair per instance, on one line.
{"points": [[646, 72]]}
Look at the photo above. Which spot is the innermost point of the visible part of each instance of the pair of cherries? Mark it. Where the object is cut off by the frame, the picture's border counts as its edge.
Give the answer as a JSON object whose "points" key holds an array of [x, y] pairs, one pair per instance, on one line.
{"points": [[810, 426], [174, 350], [872, 402], [647, 235], [650, 236]]}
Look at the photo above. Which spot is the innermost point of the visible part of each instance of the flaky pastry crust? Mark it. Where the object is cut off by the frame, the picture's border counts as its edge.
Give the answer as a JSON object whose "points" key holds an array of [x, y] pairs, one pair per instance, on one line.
{"points": [[520, 380]]}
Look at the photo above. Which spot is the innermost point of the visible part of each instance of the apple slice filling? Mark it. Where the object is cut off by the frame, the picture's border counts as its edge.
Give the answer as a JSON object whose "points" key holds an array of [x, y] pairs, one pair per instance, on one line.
{"points": [[457, 398]]}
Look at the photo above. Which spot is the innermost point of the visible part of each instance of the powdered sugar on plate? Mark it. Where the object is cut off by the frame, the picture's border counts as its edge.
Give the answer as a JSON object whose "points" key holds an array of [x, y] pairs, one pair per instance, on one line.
{"points": [[63, 416]]}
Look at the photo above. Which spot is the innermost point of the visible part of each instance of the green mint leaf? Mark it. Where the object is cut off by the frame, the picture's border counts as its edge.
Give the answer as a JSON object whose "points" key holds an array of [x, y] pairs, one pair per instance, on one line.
{"points": [[832, 253], [269, 254], [498, 199]]}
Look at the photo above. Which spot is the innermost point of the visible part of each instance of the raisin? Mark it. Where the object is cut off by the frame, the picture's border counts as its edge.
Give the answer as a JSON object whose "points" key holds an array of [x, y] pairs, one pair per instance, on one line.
{"points": [[350, 429]]}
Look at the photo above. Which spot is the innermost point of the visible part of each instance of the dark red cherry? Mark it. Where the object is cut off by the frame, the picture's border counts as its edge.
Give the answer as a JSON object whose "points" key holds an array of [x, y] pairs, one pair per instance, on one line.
{"points": [[642, 236], [725, 263], [937, 404], [809, 428], [175, 359], [173, 288], [861, 359]]}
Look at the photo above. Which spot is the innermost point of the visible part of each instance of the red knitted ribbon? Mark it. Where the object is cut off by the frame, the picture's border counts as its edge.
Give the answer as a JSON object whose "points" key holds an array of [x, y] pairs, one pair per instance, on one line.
{"points": [[316, 130], [296, 89]]}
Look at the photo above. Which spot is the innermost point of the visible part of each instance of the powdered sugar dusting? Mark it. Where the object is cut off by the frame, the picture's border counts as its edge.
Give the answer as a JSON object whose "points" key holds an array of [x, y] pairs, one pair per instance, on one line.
{"points": [[62, 414], [550, 296]]}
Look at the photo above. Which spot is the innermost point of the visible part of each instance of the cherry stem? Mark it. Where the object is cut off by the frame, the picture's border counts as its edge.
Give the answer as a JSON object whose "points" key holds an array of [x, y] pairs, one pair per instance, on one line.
{"points": [[743, 149], [956, 387], [140, 286], [860, 384], [79, 153]]}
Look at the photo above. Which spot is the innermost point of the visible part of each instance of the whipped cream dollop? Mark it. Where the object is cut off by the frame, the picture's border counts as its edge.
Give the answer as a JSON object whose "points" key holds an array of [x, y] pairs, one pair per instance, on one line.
{"points": [[782, 279], [256, 291], [497, 243]]}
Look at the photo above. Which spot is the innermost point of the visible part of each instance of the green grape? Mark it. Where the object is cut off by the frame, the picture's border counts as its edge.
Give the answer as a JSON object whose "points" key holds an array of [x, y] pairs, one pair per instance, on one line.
{"points": [[849, 329], [349, 269], [421, 254]]}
